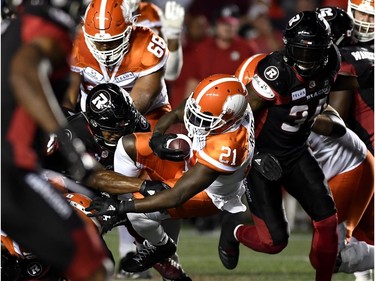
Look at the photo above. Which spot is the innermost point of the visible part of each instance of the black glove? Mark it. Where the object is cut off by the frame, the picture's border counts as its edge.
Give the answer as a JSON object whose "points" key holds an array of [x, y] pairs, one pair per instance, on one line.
{"points": [[109, 222], [151, 187], [110, 206], [158, 144], [267, 165], [80, 164]]}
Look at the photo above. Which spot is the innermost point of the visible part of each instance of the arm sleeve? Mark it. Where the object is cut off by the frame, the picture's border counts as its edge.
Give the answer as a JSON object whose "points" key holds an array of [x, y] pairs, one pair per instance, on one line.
{"points": [[174, 64], [123, 164]]}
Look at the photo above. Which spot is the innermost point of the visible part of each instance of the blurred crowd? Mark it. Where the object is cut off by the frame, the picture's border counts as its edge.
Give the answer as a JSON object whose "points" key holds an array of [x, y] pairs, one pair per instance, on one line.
{"points": [[255, 27]]}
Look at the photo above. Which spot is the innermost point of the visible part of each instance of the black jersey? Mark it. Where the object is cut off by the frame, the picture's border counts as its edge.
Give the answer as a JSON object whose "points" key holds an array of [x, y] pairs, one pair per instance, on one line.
{"points": [[22, 140], [358, 60], [283, 126]]}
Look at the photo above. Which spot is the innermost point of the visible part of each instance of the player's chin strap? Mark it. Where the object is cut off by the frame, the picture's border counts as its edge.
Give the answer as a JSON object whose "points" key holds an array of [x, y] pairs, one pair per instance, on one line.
{"points": [[267, 165]]}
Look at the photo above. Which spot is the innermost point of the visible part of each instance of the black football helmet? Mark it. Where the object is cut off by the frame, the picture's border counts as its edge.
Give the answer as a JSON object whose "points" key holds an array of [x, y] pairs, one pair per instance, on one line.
{"points": [[109, 109], [340, 22], [307, 40]]}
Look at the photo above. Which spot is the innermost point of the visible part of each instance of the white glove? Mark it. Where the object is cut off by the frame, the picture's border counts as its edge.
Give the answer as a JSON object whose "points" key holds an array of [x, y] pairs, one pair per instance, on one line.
{"points": [[172, 20]]}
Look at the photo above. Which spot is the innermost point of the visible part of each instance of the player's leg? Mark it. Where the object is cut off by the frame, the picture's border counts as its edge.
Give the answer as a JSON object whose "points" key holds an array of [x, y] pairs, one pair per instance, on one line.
{"points": [[305, 181], [352, 192], [268, 234]]}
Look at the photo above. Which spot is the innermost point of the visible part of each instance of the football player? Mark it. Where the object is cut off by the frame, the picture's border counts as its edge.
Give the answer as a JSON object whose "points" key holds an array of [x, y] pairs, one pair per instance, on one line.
{"points": [[354, 33], [111, 49], [35, 49], [218, 118], [348, 167], [110, 114], [288, 90]]}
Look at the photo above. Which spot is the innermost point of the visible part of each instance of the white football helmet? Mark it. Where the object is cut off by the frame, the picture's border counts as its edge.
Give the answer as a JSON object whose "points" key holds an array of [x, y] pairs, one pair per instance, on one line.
{"points": [[363, 28], [217, 105], [107, 28]]}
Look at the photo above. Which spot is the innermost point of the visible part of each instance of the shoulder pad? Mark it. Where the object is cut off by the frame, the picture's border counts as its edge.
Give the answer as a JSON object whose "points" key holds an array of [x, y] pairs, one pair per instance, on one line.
{"points": [[148, 47], [245, 71]]}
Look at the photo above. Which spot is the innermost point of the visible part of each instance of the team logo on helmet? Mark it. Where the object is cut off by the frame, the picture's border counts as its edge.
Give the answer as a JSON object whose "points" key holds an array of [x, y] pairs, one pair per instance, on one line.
{"points": [[100, 102]]}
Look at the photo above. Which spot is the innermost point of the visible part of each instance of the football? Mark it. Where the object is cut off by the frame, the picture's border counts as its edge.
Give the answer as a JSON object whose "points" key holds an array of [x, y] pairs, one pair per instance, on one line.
{"points": [[182, 142]]}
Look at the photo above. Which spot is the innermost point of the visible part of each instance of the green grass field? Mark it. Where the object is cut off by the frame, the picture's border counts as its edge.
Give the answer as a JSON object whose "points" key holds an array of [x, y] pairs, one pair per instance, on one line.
{"points": [[198, 255]]}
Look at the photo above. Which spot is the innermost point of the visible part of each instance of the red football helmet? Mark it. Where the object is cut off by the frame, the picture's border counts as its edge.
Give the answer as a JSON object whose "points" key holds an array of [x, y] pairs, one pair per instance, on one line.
{"points": [[217, 105], [364, 21], [107, 28], [80, 202]]}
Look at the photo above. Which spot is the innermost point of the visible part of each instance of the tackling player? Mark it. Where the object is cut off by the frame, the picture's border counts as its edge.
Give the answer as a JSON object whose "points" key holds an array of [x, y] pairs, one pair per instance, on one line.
{"points": [[219, 120], [288, 89]]}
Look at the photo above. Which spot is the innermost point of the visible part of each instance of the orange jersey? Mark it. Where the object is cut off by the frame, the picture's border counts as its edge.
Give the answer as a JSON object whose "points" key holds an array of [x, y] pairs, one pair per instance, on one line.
{"points": [[148, 15], [230, 154], [147, 54]]}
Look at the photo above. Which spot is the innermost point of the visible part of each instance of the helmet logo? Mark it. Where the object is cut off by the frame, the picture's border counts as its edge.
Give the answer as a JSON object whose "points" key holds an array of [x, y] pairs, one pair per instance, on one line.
{"points": [[34, 269], [271, 73], [326, 12], [100, 102], [294, 21]]}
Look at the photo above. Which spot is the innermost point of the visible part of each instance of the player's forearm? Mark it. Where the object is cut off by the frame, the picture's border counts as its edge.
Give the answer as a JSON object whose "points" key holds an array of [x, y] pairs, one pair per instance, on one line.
{"points": [[174, 64], [28, 69], [114, 183]]}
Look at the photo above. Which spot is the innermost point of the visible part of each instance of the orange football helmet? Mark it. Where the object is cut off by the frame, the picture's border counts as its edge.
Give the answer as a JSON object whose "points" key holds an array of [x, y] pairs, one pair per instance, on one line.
{"points": [[80, 202], [217, 105], [363, 27], [107, 28]]}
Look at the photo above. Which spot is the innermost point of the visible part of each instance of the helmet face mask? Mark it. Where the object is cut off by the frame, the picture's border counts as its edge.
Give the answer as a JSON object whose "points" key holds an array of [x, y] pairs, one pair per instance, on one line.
{"points": [[111, 114], [307, 40], [107, 30], [362, 13], [200, 123], [217, 105]]}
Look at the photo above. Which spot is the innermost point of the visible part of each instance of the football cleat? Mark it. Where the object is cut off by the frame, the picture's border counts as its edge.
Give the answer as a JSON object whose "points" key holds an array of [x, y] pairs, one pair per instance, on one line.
{"points": [[169, 269], [124, 275], [148, 256], [229, 247]]}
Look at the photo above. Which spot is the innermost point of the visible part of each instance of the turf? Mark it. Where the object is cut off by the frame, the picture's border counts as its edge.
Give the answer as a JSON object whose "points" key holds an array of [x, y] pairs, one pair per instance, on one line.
{"points": [[198, 255]]}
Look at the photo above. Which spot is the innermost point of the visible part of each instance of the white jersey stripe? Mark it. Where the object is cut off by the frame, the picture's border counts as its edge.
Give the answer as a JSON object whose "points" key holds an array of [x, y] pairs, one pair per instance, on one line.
{"points": [[245, 65]]}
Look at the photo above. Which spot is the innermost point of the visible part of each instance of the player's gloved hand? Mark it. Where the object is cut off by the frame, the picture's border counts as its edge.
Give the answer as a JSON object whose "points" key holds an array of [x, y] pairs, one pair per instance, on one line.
{"points": [[149, 188], [109, 222], [80, 164], [172, 20], [158, 144], [110, 206], [267, 165]]}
